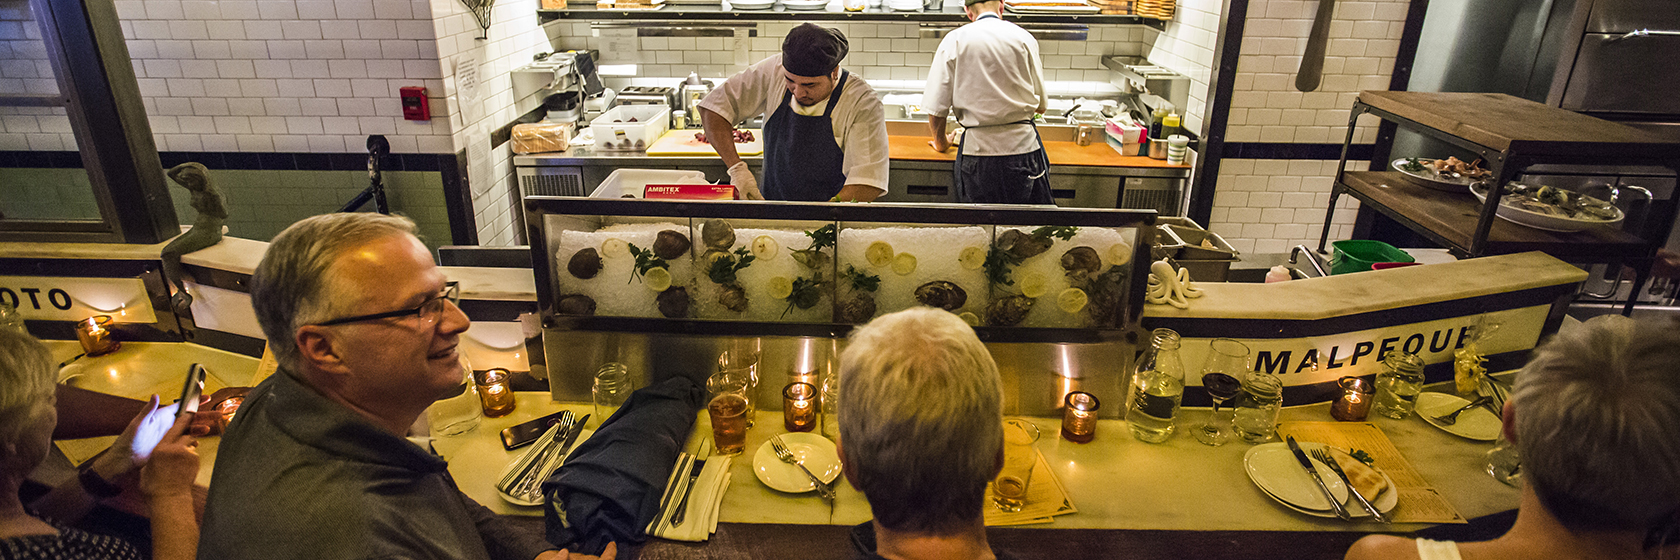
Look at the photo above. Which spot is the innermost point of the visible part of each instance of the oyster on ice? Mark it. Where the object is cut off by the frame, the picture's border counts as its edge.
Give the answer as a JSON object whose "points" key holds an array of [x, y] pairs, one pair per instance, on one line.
{"points": [[671, 244], [1008, 311], [584, 264], [673, 302], [942, 294], [717, 234], [858, 308], [733, 297], [575, 304], [1081, 261], [1021, 245]]}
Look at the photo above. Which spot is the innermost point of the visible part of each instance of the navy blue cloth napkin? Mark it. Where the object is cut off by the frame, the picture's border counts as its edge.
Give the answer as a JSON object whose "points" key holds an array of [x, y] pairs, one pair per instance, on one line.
{"points": [[610, 486]]}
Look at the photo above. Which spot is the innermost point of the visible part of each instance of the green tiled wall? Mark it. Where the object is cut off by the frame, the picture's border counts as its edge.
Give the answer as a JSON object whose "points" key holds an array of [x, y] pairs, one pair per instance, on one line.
{"points": [[260, 203]]}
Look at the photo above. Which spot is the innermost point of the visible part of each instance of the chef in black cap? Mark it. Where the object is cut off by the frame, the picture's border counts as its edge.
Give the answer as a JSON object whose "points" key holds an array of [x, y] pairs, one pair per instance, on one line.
{"points": [[825, 137]]}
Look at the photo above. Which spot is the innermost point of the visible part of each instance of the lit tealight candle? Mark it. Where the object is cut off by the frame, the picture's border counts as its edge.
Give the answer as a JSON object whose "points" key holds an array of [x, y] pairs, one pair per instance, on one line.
{"points": [[1079, 418], [96, 336], [494, 392], [1355, 401], [799, 407]]}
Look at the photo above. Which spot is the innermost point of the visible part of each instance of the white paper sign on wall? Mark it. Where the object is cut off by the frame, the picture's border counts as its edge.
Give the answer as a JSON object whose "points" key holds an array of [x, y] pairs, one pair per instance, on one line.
{"points": [[48, 298], [469, 85]]}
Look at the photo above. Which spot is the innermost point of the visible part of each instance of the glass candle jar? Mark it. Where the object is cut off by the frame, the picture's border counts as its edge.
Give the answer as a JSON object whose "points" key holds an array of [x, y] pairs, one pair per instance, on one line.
{"points": [[494, 392], [799, 407], [1355, 401], [1079, 417], [96, 336]]}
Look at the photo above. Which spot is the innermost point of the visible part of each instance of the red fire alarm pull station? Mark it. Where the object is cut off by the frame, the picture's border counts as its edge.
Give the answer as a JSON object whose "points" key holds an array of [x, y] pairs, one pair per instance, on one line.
{"points": [[415, 107]]}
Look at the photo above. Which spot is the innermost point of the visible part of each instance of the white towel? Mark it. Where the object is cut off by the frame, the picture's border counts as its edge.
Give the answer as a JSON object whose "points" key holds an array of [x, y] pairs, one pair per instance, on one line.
{"points": [[701, 519]]}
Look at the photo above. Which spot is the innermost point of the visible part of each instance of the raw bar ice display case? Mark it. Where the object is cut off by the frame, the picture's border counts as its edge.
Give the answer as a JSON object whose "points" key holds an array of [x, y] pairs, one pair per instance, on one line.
{"points": [[666, 286]]}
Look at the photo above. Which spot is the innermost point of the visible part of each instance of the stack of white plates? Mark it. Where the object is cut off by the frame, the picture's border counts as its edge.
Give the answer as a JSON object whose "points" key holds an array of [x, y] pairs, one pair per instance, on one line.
{"points": [[804, 4], [752, 4], [904, 5]]}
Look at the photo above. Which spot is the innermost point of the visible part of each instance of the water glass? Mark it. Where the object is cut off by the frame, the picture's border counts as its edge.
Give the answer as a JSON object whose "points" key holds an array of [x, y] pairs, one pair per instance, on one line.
{"points": [[611, 390], [831, 407], [739, 359], [1009, 489], [458, 411], [1398, 384], [1504, 464], [1257, 407], [735, 381]]}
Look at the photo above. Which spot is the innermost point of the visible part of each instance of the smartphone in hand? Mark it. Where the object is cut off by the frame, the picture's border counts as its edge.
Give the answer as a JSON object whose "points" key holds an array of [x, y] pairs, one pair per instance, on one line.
{"points": [[156, 424]]}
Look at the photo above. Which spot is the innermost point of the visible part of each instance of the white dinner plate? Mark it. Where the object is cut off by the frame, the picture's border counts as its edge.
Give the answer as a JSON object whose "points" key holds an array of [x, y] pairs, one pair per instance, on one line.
{"points": [[804, 4], [1272, 467], [1477, 423], [753, 5], [1510, 212], [814, 451], [1429, 178], [582, 437], [1385, 501]]}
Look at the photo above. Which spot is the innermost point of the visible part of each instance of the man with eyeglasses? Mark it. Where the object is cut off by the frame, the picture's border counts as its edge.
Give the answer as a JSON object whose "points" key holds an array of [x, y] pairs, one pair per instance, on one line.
{"points": [[315, 466]]}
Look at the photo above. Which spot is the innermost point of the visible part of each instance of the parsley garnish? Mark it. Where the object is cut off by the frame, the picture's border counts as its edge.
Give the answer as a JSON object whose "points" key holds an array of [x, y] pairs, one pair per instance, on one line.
{"points": [[645, 261]]}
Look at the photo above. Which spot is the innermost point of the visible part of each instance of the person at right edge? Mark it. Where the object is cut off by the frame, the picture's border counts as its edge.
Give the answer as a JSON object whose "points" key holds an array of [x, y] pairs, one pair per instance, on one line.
{"points": [[825, 135], [1592, 416], [989, 74]]}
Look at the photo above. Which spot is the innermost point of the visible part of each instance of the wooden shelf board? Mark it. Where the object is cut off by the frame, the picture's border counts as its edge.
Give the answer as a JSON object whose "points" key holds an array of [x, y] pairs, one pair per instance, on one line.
{"points": [[1506, 123], [1452, 217]]}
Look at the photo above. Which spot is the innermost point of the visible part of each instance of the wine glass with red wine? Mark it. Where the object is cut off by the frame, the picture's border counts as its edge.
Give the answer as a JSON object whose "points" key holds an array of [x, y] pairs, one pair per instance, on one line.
{"points": [[1222, 373]]}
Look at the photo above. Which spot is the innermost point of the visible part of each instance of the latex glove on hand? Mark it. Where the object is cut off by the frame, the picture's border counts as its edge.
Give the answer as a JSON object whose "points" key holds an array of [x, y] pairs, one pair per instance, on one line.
{"points": [[746, 186]]}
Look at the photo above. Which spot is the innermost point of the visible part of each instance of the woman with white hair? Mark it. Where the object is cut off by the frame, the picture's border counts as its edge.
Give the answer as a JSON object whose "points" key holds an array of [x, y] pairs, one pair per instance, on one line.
{"points": [[1593, 416], [921, 433], [27, 418]]}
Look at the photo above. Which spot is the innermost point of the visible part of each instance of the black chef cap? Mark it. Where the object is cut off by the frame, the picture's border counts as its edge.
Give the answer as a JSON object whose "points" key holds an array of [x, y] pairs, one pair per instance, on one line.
{"points": [[811, 50]]}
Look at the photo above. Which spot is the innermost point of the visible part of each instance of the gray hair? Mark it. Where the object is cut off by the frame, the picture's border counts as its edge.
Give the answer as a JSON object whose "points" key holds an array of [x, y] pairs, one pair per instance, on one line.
{"points": [[1596, 411], [292, 286], [921, 413], [26, 381]]}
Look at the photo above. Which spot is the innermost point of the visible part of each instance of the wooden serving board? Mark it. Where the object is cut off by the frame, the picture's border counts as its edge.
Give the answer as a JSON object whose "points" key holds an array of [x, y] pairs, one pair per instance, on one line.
{"points": [[681, 143]]}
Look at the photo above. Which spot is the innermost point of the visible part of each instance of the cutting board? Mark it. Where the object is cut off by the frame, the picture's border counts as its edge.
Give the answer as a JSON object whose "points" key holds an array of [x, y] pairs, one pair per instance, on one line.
{"points": [[681, 143]]}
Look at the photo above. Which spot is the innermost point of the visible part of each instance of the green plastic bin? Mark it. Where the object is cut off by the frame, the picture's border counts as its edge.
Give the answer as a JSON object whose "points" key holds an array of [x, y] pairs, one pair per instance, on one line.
{"points": [[1357, 255]]}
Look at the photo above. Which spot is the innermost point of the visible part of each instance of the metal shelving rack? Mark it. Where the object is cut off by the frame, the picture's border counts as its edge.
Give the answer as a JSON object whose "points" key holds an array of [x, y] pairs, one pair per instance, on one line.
{"points": [[1510, 134]]}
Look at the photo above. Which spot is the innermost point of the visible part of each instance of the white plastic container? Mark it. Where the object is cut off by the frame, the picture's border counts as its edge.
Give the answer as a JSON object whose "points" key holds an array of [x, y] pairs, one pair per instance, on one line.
{"points": [[630, 182], [615, 132]]}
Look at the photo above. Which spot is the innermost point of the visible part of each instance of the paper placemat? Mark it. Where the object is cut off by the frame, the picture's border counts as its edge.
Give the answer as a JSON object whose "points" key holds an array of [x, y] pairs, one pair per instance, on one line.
{"points": [[1046, 498], [1418, 501]]}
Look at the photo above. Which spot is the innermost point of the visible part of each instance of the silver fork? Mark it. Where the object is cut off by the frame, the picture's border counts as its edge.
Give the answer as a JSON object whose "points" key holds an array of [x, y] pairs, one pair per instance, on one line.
{"points": [[1452, 417], [1323, 456], [787, 457]]}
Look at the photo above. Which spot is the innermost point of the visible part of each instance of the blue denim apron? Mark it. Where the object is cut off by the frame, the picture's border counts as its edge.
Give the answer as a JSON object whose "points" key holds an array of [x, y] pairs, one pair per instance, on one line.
{"points": [[1013, 179], [801, 159]]}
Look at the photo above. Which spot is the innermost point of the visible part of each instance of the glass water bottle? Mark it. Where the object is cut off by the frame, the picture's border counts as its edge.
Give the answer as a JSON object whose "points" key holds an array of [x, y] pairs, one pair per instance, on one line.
{"points": [[1157, 389]]}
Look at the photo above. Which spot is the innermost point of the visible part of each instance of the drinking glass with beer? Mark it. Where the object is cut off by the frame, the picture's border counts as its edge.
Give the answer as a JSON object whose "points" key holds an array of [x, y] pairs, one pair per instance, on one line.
{"points": [[1009, 489]]}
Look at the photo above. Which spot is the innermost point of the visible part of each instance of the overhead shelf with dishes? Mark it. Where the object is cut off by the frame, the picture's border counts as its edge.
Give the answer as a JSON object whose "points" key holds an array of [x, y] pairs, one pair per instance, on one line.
{"points": [[1446, 201]]}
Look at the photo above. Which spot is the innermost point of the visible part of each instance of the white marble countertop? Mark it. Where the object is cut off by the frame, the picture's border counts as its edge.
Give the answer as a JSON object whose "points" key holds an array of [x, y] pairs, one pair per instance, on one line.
{"points": [[1115, 481]]}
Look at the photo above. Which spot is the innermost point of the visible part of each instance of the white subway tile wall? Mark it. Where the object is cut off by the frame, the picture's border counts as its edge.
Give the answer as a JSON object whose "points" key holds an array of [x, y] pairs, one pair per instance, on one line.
{"points": [[1187, 47], [252, 76], [1265, 107]]}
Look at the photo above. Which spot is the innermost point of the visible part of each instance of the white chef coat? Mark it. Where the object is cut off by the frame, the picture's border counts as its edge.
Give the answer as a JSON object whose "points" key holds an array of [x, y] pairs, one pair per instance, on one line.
{"points": [[860, 126], [989, 73]]}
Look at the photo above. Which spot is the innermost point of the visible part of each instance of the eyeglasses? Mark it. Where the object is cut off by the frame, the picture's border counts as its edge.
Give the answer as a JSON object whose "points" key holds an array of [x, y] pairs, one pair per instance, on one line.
{"points": [[430, 311]]}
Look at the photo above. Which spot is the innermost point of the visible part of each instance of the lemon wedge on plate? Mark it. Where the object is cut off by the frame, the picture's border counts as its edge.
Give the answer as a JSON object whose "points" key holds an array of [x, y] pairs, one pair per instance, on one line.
{"points": [[972, 258], [1072, 300], [904, 263], [879, 254], [781, 287], [1033, 285], [614, 247], [765, 247], [657, 279]]}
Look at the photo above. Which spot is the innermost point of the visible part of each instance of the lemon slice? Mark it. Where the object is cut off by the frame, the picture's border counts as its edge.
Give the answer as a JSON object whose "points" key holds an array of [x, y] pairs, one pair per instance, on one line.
{"points": [[1072, 300], [657, 279], [970, 318], [972, 258], [1033, 285], [614, 247], [781, 287], [904, 263], [1119, 253], [879, 254], [765, 247]]}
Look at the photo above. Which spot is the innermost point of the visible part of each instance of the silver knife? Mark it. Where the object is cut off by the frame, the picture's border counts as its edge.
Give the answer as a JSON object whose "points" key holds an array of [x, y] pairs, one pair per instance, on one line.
{"points": [[556, 458], [1355, 491], [693, 477], [1312, 472], [571, 438]]}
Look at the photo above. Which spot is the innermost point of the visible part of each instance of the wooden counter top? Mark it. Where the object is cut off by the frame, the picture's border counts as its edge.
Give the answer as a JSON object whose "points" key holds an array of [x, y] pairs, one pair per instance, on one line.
{"points": [[916, 148]]}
